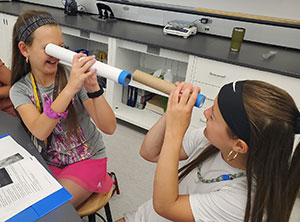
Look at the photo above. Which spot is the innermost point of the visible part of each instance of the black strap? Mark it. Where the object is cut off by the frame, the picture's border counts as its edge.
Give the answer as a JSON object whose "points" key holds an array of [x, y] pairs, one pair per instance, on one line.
{"points": [[96, 94]]}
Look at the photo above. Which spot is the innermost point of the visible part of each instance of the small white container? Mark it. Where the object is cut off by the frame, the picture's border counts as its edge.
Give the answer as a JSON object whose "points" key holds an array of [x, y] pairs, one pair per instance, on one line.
{"points": [[168, 76]]}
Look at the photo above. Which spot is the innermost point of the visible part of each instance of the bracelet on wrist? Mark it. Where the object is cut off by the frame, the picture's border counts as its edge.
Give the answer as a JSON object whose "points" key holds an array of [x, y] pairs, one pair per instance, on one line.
{"points": [[52, 114], [96, 94]]}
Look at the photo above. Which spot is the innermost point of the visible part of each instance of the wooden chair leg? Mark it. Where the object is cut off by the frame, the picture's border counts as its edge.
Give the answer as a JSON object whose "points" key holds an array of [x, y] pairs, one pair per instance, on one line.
{"points": [[114, 178]]}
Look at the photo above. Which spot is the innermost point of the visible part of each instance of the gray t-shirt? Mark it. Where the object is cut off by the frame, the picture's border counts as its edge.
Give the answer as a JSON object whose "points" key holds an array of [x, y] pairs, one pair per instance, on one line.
{"points": [[64, 149]]}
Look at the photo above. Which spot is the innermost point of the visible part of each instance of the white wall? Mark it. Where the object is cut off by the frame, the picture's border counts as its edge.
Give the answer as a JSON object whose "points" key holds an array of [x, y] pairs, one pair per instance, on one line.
{"points": [[288, 9], [275, 35], [90, 5]]}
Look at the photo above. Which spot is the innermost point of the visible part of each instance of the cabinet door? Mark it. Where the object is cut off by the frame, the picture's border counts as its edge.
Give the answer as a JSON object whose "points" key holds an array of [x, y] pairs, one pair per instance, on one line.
{"points": [[2, 37], [6, 29], [211, 75]]}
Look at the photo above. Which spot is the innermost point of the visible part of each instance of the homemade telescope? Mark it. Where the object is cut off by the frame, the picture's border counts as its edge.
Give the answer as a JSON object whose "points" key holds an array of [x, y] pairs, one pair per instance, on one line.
{"points": [[118, 75], [161, 85]]}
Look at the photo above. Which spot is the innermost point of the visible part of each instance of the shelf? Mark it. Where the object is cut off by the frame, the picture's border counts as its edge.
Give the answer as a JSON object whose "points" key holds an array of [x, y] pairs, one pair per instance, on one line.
{"points": [[139, 117]]}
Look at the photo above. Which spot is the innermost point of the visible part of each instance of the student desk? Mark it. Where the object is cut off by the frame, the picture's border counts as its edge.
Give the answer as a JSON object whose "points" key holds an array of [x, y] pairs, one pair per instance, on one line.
{"points": [[12, 126]]}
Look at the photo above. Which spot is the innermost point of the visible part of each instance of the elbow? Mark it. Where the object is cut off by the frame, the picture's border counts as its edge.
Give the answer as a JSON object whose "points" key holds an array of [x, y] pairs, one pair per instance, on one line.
{"points": [[148, 156], [144, 155], [110, 130], [160, 209], [40, 136]]}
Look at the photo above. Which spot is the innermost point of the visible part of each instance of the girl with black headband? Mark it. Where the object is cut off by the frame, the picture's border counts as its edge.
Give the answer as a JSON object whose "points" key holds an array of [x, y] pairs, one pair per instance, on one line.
{"points": [[56, 105], [240, 167]]}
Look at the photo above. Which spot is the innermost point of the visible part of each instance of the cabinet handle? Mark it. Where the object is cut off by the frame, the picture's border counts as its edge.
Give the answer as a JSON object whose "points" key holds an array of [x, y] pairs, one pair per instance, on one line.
{"points": [[203, 121], [209, 99], [217, 75]]}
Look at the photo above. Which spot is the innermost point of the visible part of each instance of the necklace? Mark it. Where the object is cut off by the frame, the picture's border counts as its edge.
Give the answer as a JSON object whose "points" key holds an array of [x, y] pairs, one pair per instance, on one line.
{"points": [[219, 178]]}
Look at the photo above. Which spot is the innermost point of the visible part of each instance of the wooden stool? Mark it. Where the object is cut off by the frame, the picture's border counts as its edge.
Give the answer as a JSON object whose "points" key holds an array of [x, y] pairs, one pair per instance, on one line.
{"points": [[94, 203]]}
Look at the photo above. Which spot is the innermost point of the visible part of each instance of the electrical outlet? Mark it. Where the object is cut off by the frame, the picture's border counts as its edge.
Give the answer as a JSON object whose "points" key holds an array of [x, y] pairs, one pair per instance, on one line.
{"points": [[206, 28]]}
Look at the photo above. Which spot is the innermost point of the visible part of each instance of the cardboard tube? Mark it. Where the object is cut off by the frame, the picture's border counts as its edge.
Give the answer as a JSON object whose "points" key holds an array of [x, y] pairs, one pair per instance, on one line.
{"points": [[161, 85]]}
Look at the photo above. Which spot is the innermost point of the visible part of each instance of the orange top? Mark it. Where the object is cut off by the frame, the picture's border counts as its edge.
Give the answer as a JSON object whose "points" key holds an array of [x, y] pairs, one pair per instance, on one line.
{"points": [[5, 103]]}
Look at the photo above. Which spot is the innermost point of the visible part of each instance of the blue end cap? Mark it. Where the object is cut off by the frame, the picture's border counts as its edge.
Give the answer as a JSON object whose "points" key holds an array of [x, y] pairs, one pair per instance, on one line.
{"points": [[225, 177], [200, 100], [125, 78]]}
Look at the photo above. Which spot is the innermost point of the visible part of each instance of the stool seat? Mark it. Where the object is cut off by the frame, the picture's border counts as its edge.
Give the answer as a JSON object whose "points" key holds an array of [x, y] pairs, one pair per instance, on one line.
{"points": [[94, 203]]}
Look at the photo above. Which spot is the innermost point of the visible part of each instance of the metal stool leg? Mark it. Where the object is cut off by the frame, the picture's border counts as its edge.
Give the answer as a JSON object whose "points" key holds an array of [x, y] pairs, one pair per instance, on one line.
{"points": [[107, 212], [92, 218], [102, 218]]}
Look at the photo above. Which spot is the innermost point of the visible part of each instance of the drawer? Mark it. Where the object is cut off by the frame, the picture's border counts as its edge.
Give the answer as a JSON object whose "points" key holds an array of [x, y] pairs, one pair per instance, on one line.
{"points": [[215, 73], [209, 91], [198, 119]]}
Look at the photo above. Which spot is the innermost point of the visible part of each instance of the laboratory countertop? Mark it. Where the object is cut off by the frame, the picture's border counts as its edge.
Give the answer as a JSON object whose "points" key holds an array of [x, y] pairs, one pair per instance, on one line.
{"points": [[286, 61]]}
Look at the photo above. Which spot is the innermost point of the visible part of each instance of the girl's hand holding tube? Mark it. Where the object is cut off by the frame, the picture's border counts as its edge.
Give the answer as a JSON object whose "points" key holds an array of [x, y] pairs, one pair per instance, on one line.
{"points": [[91, 83], [180, 106], [80, 73]]}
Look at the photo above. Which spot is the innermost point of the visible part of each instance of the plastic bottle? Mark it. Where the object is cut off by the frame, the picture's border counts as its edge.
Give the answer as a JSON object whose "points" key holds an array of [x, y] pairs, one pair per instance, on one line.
{"points": [[168, 76]]}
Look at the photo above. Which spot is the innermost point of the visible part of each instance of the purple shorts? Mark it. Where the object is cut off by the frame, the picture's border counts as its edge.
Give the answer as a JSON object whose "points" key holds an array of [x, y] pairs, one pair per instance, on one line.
{"points": [[90, 174]]}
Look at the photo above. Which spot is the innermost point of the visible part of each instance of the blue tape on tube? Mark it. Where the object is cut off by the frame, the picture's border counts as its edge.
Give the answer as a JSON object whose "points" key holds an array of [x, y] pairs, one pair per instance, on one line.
{"points": [[125, 78], [200, 100]]}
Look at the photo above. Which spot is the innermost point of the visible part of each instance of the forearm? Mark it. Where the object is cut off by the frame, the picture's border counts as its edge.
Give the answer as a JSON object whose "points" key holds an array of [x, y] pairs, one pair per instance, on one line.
{"points": [[39, 124], [104, 115], [153, 141], [166, 175]]}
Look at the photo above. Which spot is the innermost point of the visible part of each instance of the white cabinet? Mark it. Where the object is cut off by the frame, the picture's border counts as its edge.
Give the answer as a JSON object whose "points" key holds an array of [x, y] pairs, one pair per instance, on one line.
{"points": [[6, 29], [208, 74], [211, 75], [131, 56]]}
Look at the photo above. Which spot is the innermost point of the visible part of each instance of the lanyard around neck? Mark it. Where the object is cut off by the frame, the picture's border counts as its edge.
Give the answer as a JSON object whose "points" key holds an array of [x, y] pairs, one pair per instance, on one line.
{"points": [[35, 93]]}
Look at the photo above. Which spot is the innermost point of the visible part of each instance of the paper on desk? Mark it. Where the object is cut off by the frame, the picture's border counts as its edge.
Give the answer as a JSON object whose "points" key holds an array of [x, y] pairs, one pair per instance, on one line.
{"points": [[23, 180]]}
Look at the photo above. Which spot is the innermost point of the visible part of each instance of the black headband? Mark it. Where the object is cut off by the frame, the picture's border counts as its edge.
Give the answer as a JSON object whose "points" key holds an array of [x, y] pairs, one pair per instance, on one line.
{"points": [[31, 24], [230, 101], [297, 124]]}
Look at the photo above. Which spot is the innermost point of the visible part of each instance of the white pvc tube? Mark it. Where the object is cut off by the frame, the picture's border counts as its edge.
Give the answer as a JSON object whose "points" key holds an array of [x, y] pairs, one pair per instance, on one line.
{"points": [[118, 75]]}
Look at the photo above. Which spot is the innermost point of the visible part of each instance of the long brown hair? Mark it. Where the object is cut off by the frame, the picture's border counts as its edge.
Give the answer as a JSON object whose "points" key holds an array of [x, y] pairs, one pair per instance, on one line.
{"points": [[20, 68], [272, 165]]}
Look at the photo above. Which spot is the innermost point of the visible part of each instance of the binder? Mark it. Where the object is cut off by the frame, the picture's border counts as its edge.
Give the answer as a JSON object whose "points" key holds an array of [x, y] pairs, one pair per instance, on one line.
{"points": [[42, 207]]}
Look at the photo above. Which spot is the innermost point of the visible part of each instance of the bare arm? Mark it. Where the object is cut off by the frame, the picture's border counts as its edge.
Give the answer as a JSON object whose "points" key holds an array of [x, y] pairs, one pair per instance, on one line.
{"points": [[41, 125], [166, 199], [102, 114], [98, 108], [153, 141], [5, 76]]}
